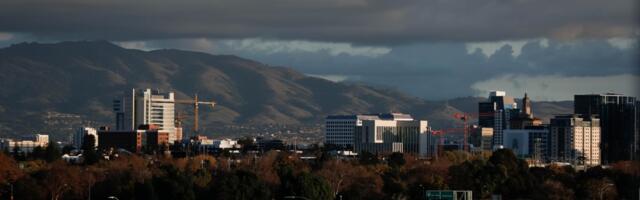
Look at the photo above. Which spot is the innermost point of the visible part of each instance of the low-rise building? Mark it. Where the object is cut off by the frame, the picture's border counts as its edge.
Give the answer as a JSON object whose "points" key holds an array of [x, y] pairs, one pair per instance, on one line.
{"points": [[401, 134], [25, 145]]}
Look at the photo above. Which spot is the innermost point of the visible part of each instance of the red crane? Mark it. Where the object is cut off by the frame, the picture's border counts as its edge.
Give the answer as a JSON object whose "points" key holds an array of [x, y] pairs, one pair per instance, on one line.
{"points": [[441, 134]]}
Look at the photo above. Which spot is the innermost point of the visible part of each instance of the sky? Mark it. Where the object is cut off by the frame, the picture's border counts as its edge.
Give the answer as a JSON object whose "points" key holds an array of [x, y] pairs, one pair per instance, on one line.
{"points": [[434, 49]]}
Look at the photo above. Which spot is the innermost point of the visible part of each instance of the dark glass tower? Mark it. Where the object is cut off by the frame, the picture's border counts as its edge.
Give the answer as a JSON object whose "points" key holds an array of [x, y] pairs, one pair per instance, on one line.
{"points": [[619, 124]]}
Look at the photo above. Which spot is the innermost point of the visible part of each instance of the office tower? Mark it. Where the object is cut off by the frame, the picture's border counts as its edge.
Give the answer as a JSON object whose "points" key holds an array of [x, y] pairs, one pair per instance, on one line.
{"points": [[575, 139], [390, 134], [496, 113], [339, 129], [531, 142], [78, 137], [618, 116], [141, 107], [481, 138]]}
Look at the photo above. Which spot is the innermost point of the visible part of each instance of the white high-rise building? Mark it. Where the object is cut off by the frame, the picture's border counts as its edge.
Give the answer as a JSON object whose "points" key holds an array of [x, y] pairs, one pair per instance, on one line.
{"points": [[148, 106], [340, 129], [394, 133], [78, 137], [575, 139]]}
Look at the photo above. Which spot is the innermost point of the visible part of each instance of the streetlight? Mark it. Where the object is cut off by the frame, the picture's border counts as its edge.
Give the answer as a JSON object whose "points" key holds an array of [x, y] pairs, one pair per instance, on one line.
{"points": [[603, 189], [113, 197]]}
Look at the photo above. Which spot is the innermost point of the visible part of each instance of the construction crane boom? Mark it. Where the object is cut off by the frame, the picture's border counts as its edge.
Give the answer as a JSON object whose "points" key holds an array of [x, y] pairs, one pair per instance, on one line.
{"points": [[196, 104]]}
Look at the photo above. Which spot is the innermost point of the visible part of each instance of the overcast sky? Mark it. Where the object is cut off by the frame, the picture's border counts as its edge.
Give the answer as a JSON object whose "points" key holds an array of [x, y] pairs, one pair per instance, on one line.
{"points": [[435, 49]]}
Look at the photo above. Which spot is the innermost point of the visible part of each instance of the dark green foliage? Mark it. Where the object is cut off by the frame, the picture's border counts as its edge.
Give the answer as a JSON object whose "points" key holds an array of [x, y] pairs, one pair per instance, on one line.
{"points": [[367, 158], [52, 152], [396, 160], [175, 184], [67, 149], [240, 185], [89, 151]]}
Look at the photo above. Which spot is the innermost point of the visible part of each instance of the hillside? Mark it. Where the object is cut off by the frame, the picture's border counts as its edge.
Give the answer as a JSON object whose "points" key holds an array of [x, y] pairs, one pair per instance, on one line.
{"points": [[78, 80]]}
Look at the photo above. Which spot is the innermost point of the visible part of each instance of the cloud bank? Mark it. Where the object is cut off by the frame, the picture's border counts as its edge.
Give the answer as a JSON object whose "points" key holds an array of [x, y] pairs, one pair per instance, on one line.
{"points": [[370, 22]]}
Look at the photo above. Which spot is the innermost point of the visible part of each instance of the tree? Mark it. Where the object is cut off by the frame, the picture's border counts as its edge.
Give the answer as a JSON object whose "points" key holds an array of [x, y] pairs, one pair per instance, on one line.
{"points": [[367, 158], [52, 152], [89, 153], [396, 160], [240, 185]]}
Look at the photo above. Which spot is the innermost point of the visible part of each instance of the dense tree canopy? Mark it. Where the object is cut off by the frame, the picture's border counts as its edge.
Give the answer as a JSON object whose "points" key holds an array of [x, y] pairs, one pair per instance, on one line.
{"points": [[276, 175]]}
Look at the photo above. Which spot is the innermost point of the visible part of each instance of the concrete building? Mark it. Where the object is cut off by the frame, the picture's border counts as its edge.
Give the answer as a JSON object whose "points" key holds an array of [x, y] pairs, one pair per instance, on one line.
{"points": [[481, 138], [395, 133], [532, 142], [225, 144], [496, 113], [119, 139], [574, 139], [619, 124], [25, 145], [139, 107], [78, 137], [339, 129]]}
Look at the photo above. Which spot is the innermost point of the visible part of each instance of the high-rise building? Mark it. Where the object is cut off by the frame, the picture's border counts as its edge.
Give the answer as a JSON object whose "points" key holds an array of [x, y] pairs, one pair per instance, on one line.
{"points": [[388, 135], [146, 107], [575, 139], [618, 116], [78, 137], [496, 113], [482, 138], [340, 129], [531, 142]]}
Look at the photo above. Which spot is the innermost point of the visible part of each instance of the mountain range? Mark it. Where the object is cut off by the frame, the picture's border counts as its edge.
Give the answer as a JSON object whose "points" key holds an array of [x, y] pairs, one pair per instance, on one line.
{"points": [[80, 79]]}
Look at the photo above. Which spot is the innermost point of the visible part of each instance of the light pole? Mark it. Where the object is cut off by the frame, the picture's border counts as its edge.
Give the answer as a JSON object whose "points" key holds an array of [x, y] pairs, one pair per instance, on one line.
{"points": [[113, 198], [11, 189]]}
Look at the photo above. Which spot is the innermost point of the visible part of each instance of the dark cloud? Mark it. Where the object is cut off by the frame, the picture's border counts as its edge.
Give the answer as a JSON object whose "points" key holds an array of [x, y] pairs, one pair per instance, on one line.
{"points": [[445, 70], [378, 22]]}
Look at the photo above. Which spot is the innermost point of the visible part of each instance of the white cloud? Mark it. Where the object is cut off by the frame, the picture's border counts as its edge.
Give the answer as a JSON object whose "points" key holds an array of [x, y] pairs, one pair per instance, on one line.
{"points": [[5, 36], [555, 87], [279, 46]]}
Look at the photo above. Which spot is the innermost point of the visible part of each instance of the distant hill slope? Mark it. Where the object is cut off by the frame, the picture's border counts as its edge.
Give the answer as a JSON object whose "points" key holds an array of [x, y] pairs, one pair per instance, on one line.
{"points": [[83, 77]]}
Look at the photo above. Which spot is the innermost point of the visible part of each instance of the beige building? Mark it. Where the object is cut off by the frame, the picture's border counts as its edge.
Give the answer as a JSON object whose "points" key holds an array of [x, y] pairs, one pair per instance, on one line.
{"points": [[26, 145], [575, 140]]}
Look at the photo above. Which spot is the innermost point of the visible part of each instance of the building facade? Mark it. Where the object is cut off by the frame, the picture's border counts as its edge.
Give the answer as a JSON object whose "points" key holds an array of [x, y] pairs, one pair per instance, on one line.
{"points": [[531, 143], [78, 137], [496, 113], [618, 116], [482, 138], [140, 107], [25, 145], [340, 129], [128, 140], [388, 135], [574, 139]]}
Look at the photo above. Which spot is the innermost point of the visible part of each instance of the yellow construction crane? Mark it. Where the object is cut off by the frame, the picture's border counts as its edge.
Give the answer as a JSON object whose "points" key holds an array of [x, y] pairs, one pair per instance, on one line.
{"points": [[195, 102]]}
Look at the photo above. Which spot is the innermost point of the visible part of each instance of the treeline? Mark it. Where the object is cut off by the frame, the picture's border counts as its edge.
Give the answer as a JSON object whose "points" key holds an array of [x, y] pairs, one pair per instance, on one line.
{"points": [[282, 175]]}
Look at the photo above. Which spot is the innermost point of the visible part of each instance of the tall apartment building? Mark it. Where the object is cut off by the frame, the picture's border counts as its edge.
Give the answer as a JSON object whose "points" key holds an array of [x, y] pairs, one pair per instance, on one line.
{"points": [[146, 107], [618, 116], [496, 113], [398, 134], [573, 138], [78, 137]]}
